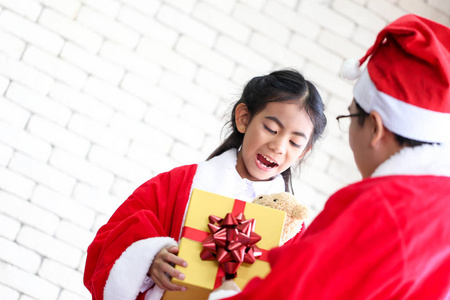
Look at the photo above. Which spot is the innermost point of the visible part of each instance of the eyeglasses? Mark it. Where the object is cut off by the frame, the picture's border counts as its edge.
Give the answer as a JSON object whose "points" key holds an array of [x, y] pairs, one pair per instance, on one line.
{"points": [[344, 121]]}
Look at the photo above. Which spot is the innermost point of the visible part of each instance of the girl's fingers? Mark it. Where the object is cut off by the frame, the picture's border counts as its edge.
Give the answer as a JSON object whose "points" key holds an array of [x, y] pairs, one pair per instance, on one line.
{"points": [[176, 260], [171, 257], [162, 279], [162, 269], [169, 286], [158, 282], [172, 249], [170, 271]]}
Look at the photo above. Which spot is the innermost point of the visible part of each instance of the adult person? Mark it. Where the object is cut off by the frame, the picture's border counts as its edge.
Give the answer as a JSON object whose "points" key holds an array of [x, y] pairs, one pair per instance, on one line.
{"points": [[387, 236]]}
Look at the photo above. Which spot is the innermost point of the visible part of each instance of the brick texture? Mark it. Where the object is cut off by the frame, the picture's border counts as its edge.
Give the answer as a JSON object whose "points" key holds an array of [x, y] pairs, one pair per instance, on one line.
{"points": [[98, 96]]}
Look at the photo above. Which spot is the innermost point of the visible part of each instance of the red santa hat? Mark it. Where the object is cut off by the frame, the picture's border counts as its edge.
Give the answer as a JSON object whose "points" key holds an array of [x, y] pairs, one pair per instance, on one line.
{"points": [[407, 79]]}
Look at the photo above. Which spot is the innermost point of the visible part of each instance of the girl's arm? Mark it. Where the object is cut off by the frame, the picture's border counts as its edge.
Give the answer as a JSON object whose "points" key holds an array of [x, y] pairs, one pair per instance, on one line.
{"points": [[123, 250]]}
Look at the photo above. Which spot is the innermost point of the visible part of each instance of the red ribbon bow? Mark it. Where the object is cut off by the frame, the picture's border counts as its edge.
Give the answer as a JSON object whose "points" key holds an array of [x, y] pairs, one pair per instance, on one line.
{"points": [[232, 242]]}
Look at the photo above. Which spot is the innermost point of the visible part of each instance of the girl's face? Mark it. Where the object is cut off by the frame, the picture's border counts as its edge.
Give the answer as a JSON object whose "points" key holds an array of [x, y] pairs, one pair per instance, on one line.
{"points": [[274, 139]]}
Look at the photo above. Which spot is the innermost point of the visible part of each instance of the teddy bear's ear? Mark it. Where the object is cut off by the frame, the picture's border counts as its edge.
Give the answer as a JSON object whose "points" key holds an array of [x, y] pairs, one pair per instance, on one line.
{"points": [[300, 211]]}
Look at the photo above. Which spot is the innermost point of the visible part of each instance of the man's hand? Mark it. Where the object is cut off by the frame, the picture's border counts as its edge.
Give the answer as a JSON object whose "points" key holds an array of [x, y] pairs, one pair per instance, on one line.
{"points": [[162, 269]]}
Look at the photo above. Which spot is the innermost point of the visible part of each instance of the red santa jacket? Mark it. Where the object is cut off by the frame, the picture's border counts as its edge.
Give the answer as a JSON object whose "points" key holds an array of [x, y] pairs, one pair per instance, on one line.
{"points": [[133, 232], [386, 237], [151, 218]]}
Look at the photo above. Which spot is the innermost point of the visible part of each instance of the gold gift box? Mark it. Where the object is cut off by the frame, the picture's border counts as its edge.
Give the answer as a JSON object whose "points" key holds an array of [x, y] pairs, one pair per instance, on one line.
{"points": [[201, 274]]}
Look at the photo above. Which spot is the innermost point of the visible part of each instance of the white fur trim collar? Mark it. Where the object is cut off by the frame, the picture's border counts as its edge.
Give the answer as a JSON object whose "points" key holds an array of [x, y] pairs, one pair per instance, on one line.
{"points": [[421, 160], [218, 175]]}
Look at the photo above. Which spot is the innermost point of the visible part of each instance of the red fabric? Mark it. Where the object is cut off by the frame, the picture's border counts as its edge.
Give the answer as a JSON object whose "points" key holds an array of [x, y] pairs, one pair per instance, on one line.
{"points": [[417, 47], [155, 209], [381, 238]]}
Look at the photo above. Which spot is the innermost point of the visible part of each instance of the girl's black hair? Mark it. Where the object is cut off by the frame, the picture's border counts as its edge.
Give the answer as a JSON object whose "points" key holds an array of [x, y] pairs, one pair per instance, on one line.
{"points": [[278, 86]]}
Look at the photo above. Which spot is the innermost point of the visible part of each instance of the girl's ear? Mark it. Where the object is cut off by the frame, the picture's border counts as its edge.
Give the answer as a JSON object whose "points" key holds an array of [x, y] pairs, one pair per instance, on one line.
{"points": [[241, 117]]}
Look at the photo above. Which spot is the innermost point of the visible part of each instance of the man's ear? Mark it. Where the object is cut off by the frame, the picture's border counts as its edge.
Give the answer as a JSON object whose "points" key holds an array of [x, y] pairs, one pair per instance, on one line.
{"points": [[378, 131], [241, 117]]}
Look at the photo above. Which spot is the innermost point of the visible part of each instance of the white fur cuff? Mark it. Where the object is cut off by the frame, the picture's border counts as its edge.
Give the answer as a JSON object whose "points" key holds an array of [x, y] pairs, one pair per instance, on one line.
{"points": [[130, 270]]}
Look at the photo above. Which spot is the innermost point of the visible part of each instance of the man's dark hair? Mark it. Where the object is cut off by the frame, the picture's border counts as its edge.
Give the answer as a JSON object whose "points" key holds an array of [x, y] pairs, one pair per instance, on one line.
{"points": [[402, 141]]}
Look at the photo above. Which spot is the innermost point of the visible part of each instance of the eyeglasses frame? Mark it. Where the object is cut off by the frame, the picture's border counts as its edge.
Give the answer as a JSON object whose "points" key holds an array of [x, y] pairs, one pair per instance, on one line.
{"points": [[358, 114]]}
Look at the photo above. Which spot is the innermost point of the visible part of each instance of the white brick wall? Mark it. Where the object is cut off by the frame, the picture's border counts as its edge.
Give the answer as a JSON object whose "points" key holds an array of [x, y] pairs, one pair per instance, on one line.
{"points": [[58, 136], [27, 282], [19, 256], [49, 246], [82, 170], [115, 97], [35, 103], [71, 99], [11, 45], [131, 61], [21, 140], [66, 7], [66, 208], [31, 32], [42, 173], [107, 27], [149, 27], [168, 58], [28, 213], [71, 30], [27, 75], [10, 226], [13, 114], [97, 96], [221, 21], [184, 24]]}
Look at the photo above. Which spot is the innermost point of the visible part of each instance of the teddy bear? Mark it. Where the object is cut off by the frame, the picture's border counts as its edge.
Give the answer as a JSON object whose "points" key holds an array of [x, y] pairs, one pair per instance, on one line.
{"points": [[296, 212]]}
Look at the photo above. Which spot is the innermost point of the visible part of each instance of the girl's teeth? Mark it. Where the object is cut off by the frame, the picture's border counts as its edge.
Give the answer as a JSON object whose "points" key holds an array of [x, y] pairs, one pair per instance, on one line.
{"points": [[268, 163], [269, 160]]}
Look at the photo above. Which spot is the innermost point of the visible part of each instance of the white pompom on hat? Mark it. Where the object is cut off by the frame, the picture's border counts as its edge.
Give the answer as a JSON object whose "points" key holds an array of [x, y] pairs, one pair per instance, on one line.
{"points": [[350, 69], [407, 79]]}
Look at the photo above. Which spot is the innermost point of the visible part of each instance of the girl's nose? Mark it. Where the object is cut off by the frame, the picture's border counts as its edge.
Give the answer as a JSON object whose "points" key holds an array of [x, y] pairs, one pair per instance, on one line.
{"points": [[277, 146]]}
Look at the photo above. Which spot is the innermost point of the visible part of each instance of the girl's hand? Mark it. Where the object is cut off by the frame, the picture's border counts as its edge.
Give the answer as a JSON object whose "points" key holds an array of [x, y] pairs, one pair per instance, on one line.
{"points": [[162, 269]]}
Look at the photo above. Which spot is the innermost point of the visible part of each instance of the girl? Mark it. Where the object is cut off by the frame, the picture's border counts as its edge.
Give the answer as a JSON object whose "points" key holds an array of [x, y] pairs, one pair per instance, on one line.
{"points": [[276, 121]]}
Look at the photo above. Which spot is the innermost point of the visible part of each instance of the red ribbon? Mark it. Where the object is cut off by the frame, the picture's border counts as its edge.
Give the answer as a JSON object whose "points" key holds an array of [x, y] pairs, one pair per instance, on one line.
{"points": [[231, 242]]}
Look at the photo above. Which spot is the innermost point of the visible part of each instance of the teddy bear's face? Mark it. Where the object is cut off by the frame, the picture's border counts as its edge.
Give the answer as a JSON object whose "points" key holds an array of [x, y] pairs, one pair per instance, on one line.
{"points": [[267, 200], [285, 202], [295, 212]]}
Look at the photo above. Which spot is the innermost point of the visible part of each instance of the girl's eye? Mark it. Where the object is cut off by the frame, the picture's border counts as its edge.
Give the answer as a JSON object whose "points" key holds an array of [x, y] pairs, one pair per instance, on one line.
{"points": [[270, 130], [295, 145]]}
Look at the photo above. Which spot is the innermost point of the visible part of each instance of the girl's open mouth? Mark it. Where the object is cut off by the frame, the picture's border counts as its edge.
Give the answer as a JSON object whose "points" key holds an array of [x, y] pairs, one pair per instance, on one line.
{"points": [[267, 162]]}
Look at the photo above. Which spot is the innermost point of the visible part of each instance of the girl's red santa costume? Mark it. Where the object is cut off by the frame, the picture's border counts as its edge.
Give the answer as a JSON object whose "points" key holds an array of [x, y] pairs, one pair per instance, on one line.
{"points": [[151, 219]]}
